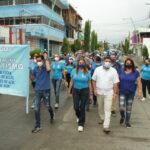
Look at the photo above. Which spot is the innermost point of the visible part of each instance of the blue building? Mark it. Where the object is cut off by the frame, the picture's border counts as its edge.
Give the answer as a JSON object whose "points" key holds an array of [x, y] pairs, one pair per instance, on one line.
{"points": [[40, 21]]}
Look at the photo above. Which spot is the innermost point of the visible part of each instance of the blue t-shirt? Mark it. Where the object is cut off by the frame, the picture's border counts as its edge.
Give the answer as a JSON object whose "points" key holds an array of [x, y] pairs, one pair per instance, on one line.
{"points": [[69, 68], [42, 78], [57, 69], [80, 80], [128, 81], [94, 66], [145, 72]]}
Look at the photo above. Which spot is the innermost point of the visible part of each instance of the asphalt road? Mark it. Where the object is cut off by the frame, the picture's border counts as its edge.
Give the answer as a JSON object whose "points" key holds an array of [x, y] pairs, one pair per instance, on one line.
{"points": [[16, 126]]}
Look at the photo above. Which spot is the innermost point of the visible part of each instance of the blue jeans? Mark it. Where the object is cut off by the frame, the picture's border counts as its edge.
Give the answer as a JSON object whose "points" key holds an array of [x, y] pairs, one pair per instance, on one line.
{"points": [[125, 105], [56, 85], [45, 95], [80, 98]]}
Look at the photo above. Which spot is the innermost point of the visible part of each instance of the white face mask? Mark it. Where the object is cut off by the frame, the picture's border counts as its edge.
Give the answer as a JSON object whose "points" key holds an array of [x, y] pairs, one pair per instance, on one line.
{"points": [[56, 58], [106, 65], [39, 64]]}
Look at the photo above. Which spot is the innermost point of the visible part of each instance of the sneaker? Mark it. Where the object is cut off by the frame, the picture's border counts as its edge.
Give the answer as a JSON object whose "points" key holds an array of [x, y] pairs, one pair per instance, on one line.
{"points": [[143, 99], [113, 113], [36, 129], [80, 128], [106, 130], [56, 106], [128, 125], [77, 120], [33, 106], [121, 121]]}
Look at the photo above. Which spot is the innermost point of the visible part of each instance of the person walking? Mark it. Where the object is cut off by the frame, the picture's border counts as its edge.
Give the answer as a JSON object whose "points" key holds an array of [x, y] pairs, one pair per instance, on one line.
{"points": [[81, 83], [96, 63], [129, 82], [42, 90], [145, 78], [57, 76], [118, 68], [105, 80]]}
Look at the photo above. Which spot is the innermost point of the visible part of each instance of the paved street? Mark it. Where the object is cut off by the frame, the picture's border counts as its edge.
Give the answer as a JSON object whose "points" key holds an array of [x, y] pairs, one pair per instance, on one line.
{"points": [[16, 126]]}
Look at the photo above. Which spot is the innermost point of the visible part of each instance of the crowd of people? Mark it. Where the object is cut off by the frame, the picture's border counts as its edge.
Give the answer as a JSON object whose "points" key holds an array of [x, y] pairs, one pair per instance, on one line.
{"points": [[94, 78]]}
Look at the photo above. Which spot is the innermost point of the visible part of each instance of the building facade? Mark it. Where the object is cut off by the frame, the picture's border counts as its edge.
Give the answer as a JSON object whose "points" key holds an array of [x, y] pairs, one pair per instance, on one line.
{"points": [[41, 20], [73, 23]]}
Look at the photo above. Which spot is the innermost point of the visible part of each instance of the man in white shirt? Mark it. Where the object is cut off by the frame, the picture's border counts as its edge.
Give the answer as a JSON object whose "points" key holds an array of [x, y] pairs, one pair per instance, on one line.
{"points": [[105, 80]]}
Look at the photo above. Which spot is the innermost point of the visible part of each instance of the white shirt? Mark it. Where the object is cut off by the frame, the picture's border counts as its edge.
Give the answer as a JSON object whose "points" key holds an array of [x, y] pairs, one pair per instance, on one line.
{"points": [[105, 80]]}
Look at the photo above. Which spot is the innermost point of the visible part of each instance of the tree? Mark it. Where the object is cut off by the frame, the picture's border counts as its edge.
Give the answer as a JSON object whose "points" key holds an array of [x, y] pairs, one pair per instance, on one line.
{"points": [[87, 33], [94, 42], [145, 52], [76, 46], [106, 45], [65, 46], [125, 46]]}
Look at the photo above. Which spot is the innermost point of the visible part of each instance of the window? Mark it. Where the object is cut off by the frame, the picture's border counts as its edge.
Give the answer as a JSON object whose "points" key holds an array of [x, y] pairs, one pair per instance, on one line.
{"points": [[47, 3], [26, 1], [6, 2]]}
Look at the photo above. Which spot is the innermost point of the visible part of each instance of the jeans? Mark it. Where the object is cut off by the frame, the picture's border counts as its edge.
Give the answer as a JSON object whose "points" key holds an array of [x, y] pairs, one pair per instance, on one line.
{"points": [[125, 105], [104, 108], [80, 98], [56, 85], [145, 83], [45, 95]]}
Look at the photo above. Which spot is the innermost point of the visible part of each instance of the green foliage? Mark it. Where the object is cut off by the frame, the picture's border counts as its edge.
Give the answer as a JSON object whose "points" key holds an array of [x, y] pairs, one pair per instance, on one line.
{"points": [[145, 52], [87, 33], [94, 42], [125, 46], [65, 46], [37, 51], [76, 46], [106, 45]]}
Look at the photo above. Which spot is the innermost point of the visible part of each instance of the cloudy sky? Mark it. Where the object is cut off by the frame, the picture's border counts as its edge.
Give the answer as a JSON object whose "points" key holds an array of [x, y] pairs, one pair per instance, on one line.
{"points": [[107, 16]]}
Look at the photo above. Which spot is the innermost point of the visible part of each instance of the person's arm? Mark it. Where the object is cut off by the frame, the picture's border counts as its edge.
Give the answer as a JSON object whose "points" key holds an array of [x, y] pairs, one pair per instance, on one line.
{"points": [[139, 88], [94, 87], [70, 86], [48, 68], [115, 88], [31, 76], [90, 88]]}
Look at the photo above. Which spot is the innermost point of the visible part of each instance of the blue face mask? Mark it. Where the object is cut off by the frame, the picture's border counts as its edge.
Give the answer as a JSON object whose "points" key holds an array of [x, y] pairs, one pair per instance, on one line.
{"points": [[106, 65], [82, 66]]}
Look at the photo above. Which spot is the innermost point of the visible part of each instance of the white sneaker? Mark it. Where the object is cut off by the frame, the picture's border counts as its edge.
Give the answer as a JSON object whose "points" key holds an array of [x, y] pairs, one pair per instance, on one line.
{"points": [[80, 128], [143, 99], [56, 106]]}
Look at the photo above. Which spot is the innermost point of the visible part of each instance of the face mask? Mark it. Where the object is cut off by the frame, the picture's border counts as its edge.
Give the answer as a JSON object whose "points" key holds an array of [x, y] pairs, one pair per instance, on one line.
{"points": [[146, 64], [56, 58], [129, 66], [39, 64], [106, 65], [81, 66]]}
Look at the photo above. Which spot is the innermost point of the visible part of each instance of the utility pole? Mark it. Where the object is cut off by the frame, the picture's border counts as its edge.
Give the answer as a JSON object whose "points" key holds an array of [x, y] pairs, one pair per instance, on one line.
{"points": [[53, 6]]}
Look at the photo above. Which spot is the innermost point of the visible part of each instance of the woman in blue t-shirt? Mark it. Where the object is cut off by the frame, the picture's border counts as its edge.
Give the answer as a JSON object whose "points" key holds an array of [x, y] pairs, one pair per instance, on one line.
{"points": [[81, 83], [145, 78], [129, 82], [69, 67], [57, 76]]}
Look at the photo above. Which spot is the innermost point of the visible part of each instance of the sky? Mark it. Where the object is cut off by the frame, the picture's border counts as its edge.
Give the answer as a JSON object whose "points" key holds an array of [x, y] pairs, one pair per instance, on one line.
{"points": [[111, 19]]}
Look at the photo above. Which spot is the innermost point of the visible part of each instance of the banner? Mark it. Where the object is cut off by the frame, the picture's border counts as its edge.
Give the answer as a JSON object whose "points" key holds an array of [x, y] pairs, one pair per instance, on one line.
{"points": [[14, 70]]}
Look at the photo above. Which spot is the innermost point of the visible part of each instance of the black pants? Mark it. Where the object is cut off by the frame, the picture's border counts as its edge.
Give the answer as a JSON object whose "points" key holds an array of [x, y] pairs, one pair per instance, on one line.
{"points": [[80, 98], [145, 83], [68, 78]]}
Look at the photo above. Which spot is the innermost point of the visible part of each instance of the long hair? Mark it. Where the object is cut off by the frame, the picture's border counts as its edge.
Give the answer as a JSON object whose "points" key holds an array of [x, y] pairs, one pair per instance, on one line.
{"points": [[132, 62], [77, 67]]}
